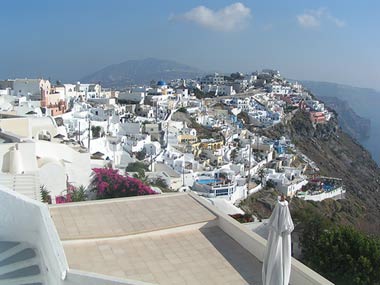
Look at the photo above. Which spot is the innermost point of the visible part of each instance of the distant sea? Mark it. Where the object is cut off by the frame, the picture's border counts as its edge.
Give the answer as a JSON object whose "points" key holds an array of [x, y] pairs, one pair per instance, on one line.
{"points": [[370, 108], [364, 101]]}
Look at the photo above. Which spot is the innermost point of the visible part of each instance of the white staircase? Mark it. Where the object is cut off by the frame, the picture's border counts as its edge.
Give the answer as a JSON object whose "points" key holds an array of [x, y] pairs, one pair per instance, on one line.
{"points": [[26, 184], [19, 264]]}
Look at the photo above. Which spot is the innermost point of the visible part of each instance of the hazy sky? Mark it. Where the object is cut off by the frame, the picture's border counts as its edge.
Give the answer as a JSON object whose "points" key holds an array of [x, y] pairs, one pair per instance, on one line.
{"points": [[326, 40]]}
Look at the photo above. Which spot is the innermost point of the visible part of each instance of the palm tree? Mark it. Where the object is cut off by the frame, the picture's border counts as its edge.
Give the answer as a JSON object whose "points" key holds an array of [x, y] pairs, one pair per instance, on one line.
{"points": [[79, 194], [45, 194]]}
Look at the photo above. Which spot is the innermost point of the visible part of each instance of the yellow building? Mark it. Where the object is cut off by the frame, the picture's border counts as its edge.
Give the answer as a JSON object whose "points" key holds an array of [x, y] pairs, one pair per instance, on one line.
{"points": [[207, 144], [211, 144], [187, 138]]}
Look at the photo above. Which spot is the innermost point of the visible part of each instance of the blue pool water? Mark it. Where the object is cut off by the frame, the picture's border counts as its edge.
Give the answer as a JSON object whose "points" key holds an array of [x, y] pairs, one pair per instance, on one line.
{"points": [[328, 187], [207, 181]]}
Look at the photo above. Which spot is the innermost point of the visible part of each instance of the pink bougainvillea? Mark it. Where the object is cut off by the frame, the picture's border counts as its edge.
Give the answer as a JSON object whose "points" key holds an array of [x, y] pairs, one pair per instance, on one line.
{"points": [[108, 183]]}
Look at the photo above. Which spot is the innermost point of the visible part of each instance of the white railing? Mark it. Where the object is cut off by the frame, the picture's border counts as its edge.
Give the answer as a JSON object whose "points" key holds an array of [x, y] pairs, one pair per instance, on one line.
{"points": [[25, 220], [324, 195]]}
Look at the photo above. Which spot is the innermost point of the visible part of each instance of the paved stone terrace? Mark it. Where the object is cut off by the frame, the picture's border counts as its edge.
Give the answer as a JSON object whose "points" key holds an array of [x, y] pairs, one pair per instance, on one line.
{"points": [[205, 256], [126, 216]]}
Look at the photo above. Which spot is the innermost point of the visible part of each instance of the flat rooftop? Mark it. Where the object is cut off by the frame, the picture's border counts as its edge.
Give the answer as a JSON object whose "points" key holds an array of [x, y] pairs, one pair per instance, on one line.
{"points": [[204, 256], [126, 216], [160, 239]]}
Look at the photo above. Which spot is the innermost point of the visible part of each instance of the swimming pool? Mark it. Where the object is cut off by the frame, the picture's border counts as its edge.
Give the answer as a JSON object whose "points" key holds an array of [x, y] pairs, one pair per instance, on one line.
{"points": [[328, 187], [207, 181]]}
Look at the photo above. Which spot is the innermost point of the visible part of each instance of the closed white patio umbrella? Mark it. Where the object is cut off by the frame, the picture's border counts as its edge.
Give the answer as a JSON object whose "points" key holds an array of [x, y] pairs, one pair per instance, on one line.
{"points": [[277, 260]]}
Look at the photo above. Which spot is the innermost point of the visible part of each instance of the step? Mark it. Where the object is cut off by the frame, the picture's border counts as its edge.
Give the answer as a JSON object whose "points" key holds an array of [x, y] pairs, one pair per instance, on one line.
{"points": [[5, 245], [25, 254], [25, 178], [25, 184], [12, 251], [29, 271], [24, 188], [25, 175], [19, 265], [35, 280], [24, 181]]}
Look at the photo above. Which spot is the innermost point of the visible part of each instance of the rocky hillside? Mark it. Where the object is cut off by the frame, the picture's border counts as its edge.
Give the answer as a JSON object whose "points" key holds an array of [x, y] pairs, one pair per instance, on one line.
{"points": [[364, 102], [338, 155], [350, 122], [202, 132]]}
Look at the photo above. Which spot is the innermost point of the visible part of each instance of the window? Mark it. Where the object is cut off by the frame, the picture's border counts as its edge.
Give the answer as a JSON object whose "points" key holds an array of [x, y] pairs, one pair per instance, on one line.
{"points": [[221, 192]]}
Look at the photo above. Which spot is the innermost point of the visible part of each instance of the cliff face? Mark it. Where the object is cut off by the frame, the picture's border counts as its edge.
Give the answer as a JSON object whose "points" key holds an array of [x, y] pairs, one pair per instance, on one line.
{"points": [[338, 155], [350, 122]]}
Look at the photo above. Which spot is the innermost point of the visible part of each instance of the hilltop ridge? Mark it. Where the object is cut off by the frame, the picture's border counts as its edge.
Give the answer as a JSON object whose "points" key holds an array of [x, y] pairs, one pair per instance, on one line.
{"points": [[141, 72]]}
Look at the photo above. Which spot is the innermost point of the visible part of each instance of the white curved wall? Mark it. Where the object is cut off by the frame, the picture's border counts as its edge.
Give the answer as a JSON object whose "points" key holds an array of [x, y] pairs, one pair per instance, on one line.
{"points": [[77, 165], [28, 156], [53, 177]]}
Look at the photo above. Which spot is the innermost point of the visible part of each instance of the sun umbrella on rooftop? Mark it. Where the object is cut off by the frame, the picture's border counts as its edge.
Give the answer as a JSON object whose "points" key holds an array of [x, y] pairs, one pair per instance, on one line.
{"points": [[277, 260]]}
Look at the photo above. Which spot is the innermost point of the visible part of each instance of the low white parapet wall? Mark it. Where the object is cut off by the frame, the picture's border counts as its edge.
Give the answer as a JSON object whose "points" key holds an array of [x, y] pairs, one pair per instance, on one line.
{"points": [[255, 189], [252, 242], [325, 195]]}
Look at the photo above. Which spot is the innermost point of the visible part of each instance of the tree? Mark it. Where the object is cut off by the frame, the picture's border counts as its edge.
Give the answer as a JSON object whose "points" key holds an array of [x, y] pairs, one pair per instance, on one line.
{"points": [[270, 184], [78, 194], [160, 183], [261, 174], [141, 154], [182, 110], [96, 130], [236, 75], [45, 194], [201, 95], [345, 255], [340, 253], [138, 167], [233, 154]]}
